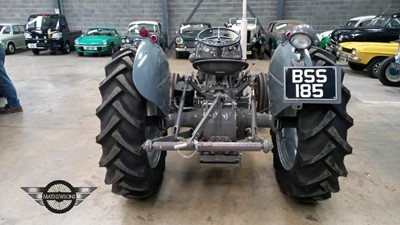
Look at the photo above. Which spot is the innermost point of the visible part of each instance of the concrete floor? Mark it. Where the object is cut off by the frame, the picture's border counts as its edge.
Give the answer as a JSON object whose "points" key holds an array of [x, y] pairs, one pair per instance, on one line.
{"points": [[54, 138]]}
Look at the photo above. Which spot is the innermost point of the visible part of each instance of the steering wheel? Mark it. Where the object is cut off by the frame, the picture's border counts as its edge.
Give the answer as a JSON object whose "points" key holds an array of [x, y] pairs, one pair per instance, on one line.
{"points": [[218, 37]]}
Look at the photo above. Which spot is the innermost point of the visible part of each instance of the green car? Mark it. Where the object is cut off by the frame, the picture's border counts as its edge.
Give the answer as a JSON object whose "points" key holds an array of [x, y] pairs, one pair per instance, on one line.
{"points": [[186, 41], [98, 40]]}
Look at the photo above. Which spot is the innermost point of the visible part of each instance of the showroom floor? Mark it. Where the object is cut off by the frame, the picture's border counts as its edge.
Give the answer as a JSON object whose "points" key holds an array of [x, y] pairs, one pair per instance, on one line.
{"points": [[54, 138]]}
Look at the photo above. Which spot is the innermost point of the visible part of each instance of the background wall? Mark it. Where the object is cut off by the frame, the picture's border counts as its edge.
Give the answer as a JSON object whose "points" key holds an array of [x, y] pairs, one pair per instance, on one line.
{"points": [[322, 14]]}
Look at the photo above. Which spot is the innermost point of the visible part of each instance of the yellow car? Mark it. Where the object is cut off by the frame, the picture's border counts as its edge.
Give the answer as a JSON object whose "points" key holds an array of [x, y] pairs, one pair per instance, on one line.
{"points": [[366, 55]]}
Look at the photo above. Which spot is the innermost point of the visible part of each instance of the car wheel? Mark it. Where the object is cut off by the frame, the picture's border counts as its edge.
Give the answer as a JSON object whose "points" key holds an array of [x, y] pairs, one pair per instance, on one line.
{"points": [[356, 66], [80, 53], [373, 67], [388, 75], [271, 50], [35, 51], [111, 50], [261, 53], [10, 48], [67, 48], [178, 55]]}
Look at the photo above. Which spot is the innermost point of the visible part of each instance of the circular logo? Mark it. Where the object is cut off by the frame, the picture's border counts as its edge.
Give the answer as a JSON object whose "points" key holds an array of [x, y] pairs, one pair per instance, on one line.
{"points": [[59, 196]]}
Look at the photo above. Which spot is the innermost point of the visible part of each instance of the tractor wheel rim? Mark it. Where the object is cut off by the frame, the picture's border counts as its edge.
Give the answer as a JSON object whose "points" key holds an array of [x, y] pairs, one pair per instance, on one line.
{"points": [[153, 157], [287, 142]]}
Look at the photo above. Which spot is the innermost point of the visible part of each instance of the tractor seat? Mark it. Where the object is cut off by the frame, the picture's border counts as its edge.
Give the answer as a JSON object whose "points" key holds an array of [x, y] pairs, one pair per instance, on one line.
{"points": [[221, 67]]}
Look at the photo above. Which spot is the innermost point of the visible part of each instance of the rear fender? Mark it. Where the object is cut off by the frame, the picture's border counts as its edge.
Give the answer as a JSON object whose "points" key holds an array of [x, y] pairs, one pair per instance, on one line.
{"points": [[282, 57], [151, 74]]}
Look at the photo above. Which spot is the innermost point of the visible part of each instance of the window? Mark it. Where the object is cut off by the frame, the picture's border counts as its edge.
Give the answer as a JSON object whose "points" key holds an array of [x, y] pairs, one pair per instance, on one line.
{"points": [[135, 28], [7, 30], [365, 23], [394, 23], [16, 29], [21, 28]]}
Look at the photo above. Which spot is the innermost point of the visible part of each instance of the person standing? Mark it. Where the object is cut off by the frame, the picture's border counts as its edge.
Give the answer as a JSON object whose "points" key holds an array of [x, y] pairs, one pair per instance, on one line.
{"points": [[7, 88]]}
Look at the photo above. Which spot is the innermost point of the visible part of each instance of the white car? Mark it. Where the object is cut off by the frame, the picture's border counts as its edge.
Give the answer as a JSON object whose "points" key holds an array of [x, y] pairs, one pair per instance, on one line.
{"points": [[360, 21], [255, 41], [12, 36]]}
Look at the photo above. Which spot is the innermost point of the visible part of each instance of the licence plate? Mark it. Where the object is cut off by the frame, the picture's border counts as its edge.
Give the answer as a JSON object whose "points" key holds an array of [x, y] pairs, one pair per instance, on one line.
{"points": [[32, 45], [89, 48], [318, 85]]}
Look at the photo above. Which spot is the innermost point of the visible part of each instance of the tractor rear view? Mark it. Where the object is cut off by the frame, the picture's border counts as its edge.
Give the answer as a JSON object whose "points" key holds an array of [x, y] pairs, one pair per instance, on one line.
{"points": [[215, 113]]}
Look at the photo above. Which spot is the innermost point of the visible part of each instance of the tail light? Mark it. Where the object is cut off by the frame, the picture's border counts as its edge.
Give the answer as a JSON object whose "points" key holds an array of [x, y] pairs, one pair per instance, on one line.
{"points": [[144, 32], [287, 35], [153, 38]]}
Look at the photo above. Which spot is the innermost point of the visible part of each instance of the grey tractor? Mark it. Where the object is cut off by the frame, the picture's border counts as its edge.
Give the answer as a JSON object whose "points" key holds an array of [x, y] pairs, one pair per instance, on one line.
{"points": [[215, 113]]}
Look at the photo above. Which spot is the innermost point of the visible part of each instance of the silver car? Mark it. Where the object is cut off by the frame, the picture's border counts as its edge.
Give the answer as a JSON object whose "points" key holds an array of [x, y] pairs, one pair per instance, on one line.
{"points": [[12, 36]]}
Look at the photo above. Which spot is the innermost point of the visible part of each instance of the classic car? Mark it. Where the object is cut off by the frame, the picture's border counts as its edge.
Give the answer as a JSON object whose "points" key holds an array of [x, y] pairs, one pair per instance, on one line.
{"points": [[366, 55], [359, 21], [98, 40], [275, 32], [12, 36], [49, 32], [133, 38], [383, 28], [255, 40], [389, 70], [185, 41]]}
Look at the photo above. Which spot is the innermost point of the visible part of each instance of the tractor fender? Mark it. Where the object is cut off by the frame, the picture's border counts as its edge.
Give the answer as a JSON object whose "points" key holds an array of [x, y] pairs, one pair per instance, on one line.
{"points": [[151, 74], [282, 57]]}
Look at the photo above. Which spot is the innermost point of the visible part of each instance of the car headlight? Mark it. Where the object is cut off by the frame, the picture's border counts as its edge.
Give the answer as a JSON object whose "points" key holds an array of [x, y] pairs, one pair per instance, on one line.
{"points": [[179, 40], [104, 42], [27, 35], [300, 41], [127, 40], [353, 51], [56, 35], [397, 56], [123, 41], [340, 38], [254, 39]]}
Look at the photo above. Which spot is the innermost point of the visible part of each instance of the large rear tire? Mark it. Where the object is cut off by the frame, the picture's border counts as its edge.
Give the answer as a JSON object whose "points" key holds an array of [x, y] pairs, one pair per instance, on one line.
{"points": [[309, 149], [124, 128]]}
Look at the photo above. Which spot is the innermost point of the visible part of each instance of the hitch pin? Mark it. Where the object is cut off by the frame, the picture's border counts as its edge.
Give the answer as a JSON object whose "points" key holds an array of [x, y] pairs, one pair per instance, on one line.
{"points": [[179, 146]]}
